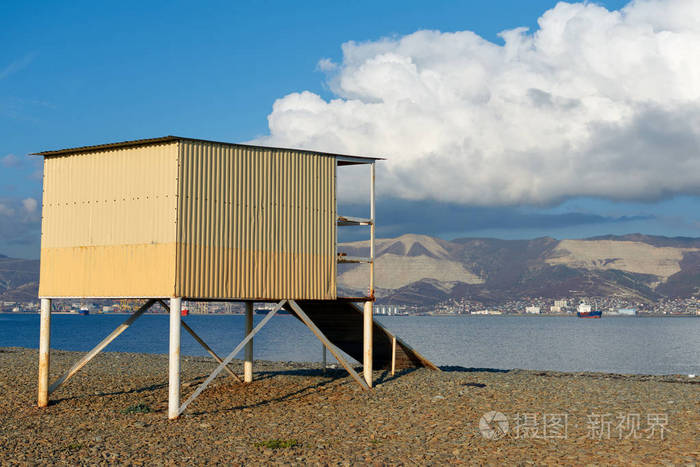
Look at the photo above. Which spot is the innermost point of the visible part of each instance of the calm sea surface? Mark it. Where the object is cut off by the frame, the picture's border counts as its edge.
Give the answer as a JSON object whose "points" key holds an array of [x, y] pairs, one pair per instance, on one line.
{"points": [[612, 344]]}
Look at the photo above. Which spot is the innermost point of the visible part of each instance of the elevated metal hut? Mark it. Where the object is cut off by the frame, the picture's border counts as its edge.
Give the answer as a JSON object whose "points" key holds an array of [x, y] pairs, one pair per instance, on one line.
{"points": [[173, 219]]}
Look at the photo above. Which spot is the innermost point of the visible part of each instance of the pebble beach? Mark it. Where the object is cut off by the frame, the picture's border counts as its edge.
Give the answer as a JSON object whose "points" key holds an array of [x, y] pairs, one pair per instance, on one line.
{"points": [[114, 411]]}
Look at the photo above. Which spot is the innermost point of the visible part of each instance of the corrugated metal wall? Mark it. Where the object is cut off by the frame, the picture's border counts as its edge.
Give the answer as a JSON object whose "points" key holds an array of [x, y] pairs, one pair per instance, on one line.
{"points": [[255, 223], [109, 223]]}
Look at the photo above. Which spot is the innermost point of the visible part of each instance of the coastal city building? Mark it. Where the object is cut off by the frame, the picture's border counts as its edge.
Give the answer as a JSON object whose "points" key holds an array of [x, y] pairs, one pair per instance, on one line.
{"points": [[388, 310], [611, 305]]}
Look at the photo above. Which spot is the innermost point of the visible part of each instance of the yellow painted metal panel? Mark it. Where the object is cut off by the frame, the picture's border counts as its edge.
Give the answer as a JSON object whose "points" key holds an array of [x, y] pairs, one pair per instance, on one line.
{"points": [[145, 270], [110, 222], [255, 223]]}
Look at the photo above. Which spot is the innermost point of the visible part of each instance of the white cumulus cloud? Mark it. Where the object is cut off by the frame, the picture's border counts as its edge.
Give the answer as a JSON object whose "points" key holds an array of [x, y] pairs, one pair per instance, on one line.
{"points": [[6, 210], [20, 226], [10, 160], [592, 103], [30, 205]]}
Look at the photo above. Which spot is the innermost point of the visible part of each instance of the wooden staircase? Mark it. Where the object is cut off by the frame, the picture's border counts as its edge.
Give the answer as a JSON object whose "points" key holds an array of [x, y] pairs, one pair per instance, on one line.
{"points": [[341, 322]]}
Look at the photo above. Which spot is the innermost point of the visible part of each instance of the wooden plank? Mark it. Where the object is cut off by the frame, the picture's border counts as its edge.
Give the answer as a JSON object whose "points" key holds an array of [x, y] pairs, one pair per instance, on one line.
{"points": [[350, 220], [334, 351], [353, 259], [230, 356], [99, 347], [342, 323]]}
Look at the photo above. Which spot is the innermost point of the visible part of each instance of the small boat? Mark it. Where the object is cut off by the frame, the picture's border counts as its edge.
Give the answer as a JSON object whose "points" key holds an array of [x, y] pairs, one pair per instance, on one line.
{"points": [[184, 312], [84, 311], [585, 311]]}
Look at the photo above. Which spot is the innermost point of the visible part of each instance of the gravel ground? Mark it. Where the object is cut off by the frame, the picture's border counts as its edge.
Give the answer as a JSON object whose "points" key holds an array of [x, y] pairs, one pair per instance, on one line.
{"points": [[416, 417]]}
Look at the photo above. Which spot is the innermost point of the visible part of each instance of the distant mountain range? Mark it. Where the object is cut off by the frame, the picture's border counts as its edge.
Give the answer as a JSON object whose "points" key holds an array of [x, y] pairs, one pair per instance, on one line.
{"points": [[19, 279], [419, 270], [416, 269]]}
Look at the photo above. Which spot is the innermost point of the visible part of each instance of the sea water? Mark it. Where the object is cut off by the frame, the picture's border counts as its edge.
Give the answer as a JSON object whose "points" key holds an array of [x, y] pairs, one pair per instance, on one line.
{"points": [[639, 345]]}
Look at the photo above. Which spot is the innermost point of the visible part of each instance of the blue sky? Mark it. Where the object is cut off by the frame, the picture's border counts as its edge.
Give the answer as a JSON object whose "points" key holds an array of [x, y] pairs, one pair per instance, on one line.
{"points": [[79, 73]]}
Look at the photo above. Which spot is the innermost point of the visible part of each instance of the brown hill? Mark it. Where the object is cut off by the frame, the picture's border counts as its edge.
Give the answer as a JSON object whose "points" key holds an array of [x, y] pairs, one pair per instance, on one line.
{"points": [[420, 270], [19, 279]]}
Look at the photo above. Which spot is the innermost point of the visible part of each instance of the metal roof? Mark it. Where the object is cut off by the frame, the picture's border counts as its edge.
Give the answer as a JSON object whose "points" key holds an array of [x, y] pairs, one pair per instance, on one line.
{"points": [[343, 159]]}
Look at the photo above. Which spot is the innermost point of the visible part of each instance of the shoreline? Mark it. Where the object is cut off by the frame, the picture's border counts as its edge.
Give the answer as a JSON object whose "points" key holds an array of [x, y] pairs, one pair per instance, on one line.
{"points": [[114, 411], [317, 365], [542, 315]]}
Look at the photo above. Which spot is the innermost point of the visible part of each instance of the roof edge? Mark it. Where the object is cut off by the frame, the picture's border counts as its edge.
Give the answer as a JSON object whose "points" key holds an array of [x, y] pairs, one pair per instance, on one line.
{"points": [[170, 138]]}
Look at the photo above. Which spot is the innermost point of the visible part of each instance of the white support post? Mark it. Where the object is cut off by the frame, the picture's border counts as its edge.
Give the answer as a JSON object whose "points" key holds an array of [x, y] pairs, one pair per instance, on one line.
{"points": [[248, 364], [393, 355], [174, 362], [367, 343], [371, 230], [368, 318], [44, 352]]}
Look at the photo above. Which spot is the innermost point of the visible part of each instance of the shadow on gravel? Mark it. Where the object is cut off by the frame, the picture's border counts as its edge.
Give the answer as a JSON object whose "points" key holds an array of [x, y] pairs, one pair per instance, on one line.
{"points": [[292, 395], [331, 375], [334, 373], [461, 369], [386, 377], [153, 387]]}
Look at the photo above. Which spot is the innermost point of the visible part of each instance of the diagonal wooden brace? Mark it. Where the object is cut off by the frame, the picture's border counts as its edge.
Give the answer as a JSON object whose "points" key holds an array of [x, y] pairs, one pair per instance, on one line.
{"points": [[402, 343], [203, 344], [329, 345], [230, 356], [99, 347]]}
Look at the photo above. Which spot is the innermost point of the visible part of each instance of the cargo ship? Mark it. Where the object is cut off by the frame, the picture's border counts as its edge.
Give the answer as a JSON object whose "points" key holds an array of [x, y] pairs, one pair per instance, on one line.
{"points": [[584, 311]]}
